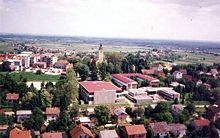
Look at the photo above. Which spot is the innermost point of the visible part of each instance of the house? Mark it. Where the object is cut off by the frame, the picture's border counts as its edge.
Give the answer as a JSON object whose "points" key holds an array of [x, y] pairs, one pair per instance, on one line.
{"points": [[135, 131], [98, 92], [179, 130], [17, 133], [187, 77], [159, 128], [153, 72], [52, 113], [86, 121], [162, 129], [10, 97], [22, 115], [214, 72], [177, 74], [212, 112], [3, 128], [52, 135], [63, 64], [120, 115], [41, 65], [176, 84], [176, 108], [81, 131], [108, 134], [200, 123]]}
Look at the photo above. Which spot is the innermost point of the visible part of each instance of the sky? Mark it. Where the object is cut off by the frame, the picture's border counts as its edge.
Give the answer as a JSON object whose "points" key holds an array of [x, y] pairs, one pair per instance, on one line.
{"points": [[150, 19]]}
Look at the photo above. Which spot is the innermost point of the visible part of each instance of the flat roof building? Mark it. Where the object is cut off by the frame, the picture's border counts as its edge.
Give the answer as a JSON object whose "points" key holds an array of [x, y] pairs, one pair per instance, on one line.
{"points": [[98, 92]]}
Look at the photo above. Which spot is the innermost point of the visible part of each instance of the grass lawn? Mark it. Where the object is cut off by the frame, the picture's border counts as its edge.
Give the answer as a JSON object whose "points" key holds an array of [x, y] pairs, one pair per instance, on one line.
{"points": [[34, 77]]}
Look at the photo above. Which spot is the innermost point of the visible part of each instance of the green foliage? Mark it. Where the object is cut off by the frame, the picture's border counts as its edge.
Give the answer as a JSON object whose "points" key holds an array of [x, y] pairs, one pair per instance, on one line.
{"points": [[129, 111], [102, 113], [35, 121], [83, 70]]}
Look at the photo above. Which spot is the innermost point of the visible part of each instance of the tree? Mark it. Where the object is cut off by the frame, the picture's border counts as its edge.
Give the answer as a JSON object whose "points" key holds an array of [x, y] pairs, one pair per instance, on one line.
{"points": [[102, 113], [128, 110], [190, 108], [150, 133], [147, 112], [161, 107], [103, 70], [49, 85], [5, 66], [138, 112], [94, 71], [35, 121], [83, 71]]}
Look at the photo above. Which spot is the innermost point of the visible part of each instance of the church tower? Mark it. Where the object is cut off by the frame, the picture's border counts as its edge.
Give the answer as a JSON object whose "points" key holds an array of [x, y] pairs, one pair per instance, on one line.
{"points": [[101, 55]]}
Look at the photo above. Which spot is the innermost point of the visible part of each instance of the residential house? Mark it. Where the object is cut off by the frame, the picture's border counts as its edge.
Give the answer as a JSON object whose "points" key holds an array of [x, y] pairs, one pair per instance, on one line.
{"points": [[11, 97], [23, 115], [52, 113], [162, 129], [3, 128], [200, 123], [176, 108], [108, 134], [178, 130], [135, 131], [212, 112], [63, 64], [214, 72], [187, 77], [177, 74], [52, 135], [98, 92], [81, 131], [17, 133], [120, 115]]}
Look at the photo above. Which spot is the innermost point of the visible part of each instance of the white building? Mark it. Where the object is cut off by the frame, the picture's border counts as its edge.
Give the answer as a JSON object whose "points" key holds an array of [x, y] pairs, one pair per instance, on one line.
{"points": [[22, 115]]}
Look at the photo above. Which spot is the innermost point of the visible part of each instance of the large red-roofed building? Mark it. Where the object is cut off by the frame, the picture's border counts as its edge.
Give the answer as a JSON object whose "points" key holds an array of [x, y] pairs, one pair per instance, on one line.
{"points": [[98, 92], [17, 133], [125, 80]]}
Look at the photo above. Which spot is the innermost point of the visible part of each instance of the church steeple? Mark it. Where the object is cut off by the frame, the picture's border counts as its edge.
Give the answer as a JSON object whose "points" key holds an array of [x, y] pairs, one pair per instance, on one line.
{"points": [[100, 54]]}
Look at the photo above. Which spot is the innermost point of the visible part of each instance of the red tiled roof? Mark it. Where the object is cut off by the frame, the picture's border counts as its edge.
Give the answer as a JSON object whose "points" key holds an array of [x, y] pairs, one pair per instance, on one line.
{"points": [[159, 127], [125, 77], [96, 86], [12, 96], [52, 135], [17, 133], [201, 122], [147, 71], [122, 78], [80, 129], [135, 129], [62, 62], [52, 111]]}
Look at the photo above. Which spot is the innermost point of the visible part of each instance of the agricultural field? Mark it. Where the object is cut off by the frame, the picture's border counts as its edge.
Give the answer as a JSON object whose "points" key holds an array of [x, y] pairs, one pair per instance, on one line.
{"points": [[6, 47], [195, 58]]}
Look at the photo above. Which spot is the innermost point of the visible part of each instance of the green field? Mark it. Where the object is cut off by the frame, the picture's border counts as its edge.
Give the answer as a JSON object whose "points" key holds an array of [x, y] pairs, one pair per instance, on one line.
{"points": [[194, 58], [6, 47], [33, 76]]}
